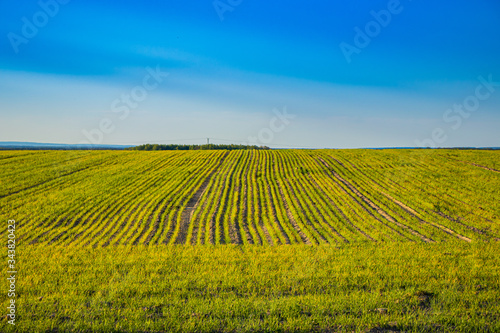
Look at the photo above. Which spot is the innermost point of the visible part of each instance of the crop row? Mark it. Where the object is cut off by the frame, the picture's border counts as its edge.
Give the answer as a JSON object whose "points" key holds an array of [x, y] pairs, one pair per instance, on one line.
{"points": [[270, 197]]}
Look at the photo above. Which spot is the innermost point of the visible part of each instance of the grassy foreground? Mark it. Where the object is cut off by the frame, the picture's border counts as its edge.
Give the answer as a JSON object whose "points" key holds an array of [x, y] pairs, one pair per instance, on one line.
{"points": [[412, 287]]}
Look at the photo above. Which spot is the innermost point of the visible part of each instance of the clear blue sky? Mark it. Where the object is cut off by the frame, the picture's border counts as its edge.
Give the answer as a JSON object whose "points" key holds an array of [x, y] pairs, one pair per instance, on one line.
{"points": [[67, 67]]}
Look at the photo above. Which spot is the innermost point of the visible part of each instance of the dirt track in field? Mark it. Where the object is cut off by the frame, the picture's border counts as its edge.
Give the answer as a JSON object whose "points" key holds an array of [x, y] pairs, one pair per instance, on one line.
{"points": [[476, 165], [272, 197], [192, 204], [416, 215], [358, 200], [373, 205]]}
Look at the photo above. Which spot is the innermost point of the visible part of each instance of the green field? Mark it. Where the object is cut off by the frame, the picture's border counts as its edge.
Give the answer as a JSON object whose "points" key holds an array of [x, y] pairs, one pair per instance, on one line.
{"points": [[253, 240]]}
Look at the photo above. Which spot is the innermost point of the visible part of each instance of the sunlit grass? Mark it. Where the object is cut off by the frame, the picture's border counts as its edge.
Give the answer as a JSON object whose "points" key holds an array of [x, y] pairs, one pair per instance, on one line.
{"points": [[400, 286]]}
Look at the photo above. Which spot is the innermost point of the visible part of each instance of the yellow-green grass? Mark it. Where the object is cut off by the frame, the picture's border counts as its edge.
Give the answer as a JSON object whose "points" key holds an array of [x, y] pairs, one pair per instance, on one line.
{"points": [[397, 240], [441, 287]]}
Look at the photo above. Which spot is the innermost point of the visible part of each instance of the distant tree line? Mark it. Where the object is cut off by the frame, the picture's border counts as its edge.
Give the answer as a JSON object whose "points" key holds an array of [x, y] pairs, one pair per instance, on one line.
{"points": [[196, 147]]}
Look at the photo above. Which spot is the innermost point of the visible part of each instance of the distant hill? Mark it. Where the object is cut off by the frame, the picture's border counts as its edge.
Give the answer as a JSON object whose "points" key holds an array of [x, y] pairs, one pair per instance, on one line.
{"points": [[18, 145], [15, 145], [459, 148]]}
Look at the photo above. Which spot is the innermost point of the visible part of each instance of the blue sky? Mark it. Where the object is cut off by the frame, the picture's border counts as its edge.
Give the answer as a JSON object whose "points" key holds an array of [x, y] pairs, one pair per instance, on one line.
{"points": [[65, 67]]}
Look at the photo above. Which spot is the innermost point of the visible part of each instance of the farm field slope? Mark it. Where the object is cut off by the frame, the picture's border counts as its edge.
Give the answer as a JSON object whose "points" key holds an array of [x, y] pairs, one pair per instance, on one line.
{"points": [[103, 198], [253, 241]]}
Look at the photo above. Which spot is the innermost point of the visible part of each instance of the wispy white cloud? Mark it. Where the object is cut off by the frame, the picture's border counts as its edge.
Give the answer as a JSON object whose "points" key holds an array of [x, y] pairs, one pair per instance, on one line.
{"points": [[52, 108], [170, 54]]}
